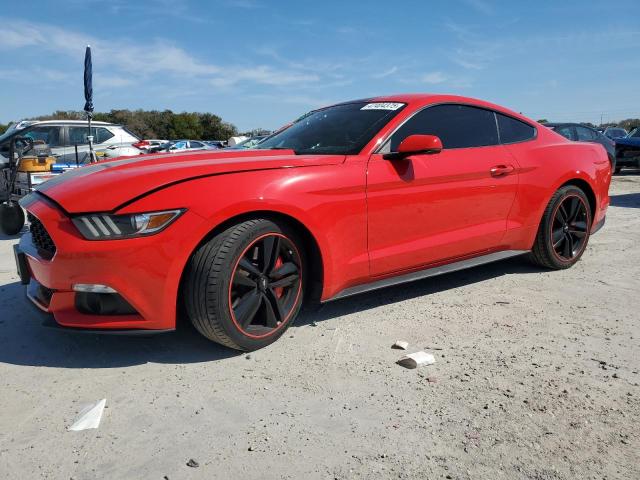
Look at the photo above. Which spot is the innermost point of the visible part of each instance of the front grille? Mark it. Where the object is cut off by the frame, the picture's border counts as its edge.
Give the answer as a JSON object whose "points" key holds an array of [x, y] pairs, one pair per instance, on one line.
{"points": [[41, 238]]}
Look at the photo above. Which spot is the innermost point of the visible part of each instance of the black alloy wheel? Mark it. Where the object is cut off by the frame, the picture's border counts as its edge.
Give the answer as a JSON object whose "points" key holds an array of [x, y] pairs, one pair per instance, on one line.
{"points": [[244, 286], [265, 285], [564, 229], [569, 228]]}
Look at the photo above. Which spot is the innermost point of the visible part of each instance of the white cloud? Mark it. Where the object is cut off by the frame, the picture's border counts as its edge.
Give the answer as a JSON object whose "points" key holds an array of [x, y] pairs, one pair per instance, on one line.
{"points": [[262, 74], [108, 81], [385, 73], [481, 6], [468, 64], [131, 62], [247, 4], [434, 78]]}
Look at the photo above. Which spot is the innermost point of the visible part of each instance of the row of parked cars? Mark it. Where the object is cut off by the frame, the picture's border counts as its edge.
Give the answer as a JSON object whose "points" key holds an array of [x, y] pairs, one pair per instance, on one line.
{"points": [[622, 147], [69, 142]]}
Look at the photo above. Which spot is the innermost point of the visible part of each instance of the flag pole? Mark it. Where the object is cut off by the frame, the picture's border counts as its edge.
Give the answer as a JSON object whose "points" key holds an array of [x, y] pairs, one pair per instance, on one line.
{"points": [[88, 96]]}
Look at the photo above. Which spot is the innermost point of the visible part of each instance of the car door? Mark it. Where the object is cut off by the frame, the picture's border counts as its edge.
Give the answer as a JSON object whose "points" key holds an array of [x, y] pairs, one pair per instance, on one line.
{"points": [[432, 208]]}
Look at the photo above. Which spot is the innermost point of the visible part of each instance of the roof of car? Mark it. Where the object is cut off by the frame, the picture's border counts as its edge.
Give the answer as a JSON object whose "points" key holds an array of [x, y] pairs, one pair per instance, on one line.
{"points": [[423, 99], [67, 122], [567, 124]]}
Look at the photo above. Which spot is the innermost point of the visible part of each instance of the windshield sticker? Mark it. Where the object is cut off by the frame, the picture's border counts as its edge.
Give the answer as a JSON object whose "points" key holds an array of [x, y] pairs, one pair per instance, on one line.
{"points": [[382, 106]]}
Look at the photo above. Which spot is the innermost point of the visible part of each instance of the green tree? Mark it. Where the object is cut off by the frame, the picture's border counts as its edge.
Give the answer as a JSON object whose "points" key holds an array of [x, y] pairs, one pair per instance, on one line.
{"points": [[630, 123]]}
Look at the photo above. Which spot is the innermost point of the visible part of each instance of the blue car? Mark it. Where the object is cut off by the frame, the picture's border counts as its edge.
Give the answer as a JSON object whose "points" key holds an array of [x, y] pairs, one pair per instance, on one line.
{"points": [[628, 150]]}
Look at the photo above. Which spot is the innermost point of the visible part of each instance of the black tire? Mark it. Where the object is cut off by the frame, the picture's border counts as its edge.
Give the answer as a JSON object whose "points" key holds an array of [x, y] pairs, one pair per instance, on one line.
{"points": [[11, 218], [211, 287], [557, 245]]}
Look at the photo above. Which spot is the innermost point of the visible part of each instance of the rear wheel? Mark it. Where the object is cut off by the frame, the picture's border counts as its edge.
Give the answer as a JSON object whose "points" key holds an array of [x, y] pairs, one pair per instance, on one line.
{"points": [[564, 231], [244, 286]]}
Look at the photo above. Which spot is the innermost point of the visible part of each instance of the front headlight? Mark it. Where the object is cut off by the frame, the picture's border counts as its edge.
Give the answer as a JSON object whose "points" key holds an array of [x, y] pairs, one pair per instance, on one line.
{"points": [[102, 226]]}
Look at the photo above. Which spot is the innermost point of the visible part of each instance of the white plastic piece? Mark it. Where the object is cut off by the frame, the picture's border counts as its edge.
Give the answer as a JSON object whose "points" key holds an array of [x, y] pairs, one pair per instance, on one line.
{"points": [[401, 345], [89, 417], [417, 359]]}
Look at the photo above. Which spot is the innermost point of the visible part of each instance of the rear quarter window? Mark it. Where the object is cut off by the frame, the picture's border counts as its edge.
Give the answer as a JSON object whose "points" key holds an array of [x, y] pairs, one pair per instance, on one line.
{"points": [[513, 131]]}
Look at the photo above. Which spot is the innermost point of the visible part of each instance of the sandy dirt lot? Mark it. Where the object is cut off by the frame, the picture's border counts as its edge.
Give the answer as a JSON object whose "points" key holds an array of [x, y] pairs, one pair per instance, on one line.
{"points": [[536, 377]]}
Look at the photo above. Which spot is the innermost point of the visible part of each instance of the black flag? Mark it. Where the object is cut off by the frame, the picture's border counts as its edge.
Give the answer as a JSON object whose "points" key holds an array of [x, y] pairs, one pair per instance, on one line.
{"points": [[88, 81]]}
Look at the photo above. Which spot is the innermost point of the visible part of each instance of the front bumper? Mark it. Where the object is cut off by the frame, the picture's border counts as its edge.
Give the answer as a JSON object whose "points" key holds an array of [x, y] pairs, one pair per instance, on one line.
{"points": [[144, 271]]}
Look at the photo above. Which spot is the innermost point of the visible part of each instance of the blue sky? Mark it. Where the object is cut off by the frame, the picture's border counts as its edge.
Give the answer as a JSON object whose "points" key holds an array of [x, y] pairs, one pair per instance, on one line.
{"points": [[260, 64]]}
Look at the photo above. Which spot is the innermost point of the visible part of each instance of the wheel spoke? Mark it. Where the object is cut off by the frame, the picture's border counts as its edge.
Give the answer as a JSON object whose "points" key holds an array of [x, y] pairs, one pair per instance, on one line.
{"points": [[568, 247], [284, 270], [246, 265], [574, 208], [579, 225], [247, 308], [562, 214], [285, 281], [242, 279], [270, 250], [558, 237], [273, 309], [578, 233]]}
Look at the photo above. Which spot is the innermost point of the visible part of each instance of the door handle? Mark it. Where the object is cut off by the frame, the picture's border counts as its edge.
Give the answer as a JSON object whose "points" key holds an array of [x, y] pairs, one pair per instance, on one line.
{"points": [[501, 170]]}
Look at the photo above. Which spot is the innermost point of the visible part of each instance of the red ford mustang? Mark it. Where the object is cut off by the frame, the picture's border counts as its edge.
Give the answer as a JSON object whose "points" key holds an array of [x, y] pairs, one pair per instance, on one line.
{"points": [[349, 198]]}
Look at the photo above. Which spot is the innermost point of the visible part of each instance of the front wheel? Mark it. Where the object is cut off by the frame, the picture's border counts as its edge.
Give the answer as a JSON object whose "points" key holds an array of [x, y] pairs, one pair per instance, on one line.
{"points": [[564, 230], [244, 287]]}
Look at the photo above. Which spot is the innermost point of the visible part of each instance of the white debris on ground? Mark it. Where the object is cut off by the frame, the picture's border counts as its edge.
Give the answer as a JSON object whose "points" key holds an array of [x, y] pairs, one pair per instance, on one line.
{"points": [[400, 345], [89, 417], [417, 359]]}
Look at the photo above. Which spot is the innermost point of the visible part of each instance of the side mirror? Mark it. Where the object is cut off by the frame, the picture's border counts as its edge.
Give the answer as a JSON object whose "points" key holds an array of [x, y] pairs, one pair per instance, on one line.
{"points": [[416, 145]]}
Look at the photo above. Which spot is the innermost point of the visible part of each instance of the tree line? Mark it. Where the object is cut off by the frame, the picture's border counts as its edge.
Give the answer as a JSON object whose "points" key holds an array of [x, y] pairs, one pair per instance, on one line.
{"points": [[163, 124], [628, 124]]}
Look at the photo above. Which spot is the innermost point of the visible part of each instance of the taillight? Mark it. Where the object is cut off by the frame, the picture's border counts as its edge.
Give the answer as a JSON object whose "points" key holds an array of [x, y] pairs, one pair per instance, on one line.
{"points": [[141, 144]]}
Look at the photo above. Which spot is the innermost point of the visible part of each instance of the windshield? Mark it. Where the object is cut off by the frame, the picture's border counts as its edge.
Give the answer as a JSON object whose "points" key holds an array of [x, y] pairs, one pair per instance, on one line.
{"points": [[250, 142], [635, 133], [8, 132], [342, 129], [616, 132]]}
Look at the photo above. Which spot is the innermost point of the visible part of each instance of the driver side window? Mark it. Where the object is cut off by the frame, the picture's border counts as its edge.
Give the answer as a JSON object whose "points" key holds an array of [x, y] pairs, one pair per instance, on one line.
{"points": [[458, 126]]}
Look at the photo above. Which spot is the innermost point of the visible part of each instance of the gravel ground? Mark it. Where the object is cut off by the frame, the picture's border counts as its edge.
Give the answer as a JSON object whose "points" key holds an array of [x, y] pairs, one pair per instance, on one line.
{"points": [[536, 377]]}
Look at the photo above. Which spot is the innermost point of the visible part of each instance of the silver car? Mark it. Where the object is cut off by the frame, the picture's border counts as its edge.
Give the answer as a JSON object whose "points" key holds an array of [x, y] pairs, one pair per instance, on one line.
{"points": [[65, 136]]}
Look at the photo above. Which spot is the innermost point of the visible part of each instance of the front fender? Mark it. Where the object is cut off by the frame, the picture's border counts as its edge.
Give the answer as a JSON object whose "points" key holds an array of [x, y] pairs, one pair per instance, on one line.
{"points": [[329, 203]]}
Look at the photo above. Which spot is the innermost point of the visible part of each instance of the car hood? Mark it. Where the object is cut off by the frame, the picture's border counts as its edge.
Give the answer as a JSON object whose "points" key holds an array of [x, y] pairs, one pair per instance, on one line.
{"points": [[633, 141], [106, 185]]}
